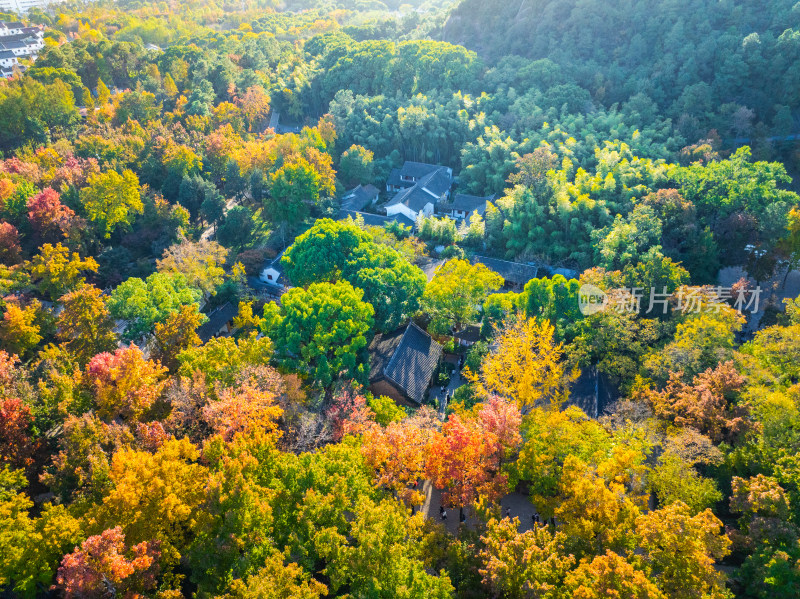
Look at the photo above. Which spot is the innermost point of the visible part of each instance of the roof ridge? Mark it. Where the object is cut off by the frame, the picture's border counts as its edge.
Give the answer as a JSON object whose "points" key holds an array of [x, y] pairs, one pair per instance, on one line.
{"points": [[394, 353]]}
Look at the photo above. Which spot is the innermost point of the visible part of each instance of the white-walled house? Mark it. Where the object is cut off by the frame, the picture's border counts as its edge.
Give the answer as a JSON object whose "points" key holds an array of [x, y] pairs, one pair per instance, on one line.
{"points": [[273, 273], [8, 59], [422, 196]]}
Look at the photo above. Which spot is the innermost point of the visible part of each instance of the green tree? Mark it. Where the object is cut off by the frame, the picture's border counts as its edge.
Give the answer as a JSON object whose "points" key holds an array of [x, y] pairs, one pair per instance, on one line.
{"points": [[236, 229], [144, 303], [456, 293], [322, 331], [342, 250], [293, 187], [356, 166]]}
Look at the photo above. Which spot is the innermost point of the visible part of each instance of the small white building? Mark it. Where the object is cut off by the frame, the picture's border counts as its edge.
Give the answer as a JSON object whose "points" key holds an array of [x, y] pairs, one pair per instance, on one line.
{"points": [[8, 60], [273, 275], [424, 195]]}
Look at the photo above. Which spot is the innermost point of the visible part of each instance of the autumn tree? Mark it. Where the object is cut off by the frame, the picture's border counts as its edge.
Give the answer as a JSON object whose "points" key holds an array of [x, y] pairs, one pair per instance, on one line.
{"points": [[200, 263], [278, 577], [85, 325], [397, 454], [31, 547], [10, 248], [176, 334], [17, 443], [526, 367], [349, 414], [20, 329], [112, 199], [521, 565], [595, 503], [467, 458], [702, 341], [550, 438], [104, 563], [124, 384], [532, 169], [710, 404], [679, 551], [222, 359], [456, 293], [154, 497], [243, 409], [255, 106], [48, 216], [56, 270], [610, 576]]}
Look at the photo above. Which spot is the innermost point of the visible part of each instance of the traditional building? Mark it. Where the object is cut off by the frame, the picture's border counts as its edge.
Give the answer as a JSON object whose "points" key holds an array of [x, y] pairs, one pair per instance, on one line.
{"points": [[220, 323], [463, 206], [515, 274], [420, 188], [402, 364], [360, 197], [273, 275]]}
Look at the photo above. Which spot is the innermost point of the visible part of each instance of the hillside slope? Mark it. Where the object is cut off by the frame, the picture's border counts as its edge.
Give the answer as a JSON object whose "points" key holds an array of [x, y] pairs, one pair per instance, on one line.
{"points": [[687, 55]]}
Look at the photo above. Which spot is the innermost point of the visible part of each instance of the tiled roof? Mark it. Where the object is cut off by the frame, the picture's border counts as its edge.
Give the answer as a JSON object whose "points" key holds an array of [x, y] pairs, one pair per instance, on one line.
{"points": [[416, 198], [394, 179], [376, 220], [438, 182], [417, 169], [7, 54], [427, 190], [407, 357], [381, 350], [357, 198], [512, 272], [277, 266], [467, 203], [470, 333], [216, 320]]}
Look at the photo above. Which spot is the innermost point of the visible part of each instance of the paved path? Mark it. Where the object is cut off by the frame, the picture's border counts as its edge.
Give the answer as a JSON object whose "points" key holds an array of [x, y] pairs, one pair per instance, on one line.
{"points": [[519, 506], [435, 393]]}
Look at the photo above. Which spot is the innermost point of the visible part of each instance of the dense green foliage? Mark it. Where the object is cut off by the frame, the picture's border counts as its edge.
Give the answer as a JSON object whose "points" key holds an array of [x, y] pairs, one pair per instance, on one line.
{"points": [[172, 424]]}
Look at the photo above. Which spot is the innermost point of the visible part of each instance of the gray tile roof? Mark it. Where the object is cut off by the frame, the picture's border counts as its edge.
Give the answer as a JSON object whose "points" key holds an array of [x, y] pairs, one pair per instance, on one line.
{"points": [[416, 198], [376, 220], [427, 190], [357, 198], [471, 333], [417, 169], [406, 357], [216, 320], [7, 54], [438, 182], [512, 272], [394, 179], [467, 203]]}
